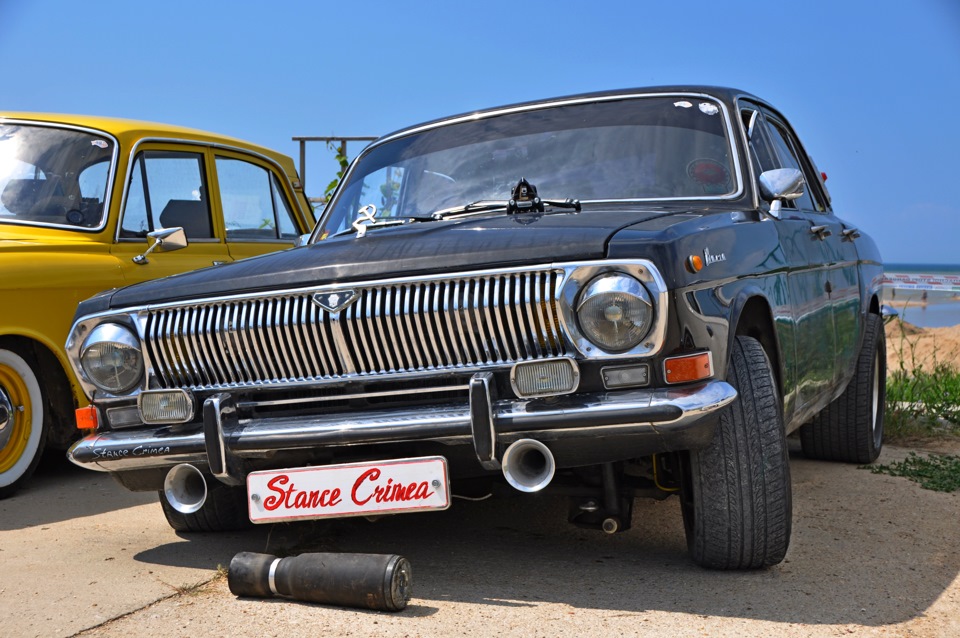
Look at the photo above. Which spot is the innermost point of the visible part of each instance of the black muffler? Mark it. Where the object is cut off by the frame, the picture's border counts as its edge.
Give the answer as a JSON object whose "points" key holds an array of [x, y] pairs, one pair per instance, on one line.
{"points": [[368, 581]]}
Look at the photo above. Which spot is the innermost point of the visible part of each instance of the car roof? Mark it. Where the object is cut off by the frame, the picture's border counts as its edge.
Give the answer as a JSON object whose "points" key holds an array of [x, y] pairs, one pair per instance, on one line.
{"points": [[128, 131], [724, 94]]}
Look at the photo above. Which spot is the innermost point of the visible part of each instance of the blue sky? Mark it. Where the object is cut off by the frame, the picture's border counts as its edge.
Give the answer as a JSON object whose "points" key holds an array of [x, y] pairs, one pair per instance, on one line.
{"points": [[873, 87]]}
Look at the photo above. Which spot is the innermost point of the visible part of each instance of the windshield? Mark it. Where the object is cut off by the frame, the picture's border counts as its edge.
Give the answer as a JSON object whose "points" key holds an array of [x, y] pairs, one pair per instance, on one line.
{"points": [[644, 148], [53, 176]]}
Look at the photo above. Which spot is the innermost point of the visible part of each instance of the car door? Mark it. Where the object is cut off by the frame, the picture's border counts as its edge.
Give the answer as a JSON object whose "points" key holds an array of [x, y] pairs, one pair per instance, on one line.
{"points": [[814, 338], [837, 247], [168, 186], [258, 210]]}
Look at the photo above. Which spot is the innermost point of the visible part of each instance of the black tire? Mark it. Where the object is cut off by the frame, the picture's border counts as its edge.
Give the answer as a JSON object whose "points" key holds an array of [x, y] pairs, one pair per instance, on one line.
{"points": [[26, 417], [850, 429], [737, 505], [224, 510]]}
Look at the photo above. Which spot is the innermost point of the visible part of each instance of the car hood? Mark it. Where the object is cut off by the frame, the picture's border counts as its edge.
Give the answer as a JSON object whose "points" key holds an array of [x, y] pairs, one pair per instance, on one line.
{"points": [[409, 250]]}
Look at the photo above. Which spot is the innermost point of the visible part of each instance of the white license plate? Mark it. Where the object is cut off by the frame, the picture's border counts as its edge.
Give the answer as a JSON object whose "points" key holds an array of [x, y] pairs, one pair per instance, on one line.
{"points": [[354, 489]]}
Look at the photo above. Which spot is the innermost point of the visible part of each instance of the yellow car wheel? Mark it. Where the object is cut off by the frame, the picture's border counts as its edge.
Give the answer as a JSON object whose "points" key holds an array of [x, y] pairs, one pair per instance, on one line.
{"points": [[21, 421]]}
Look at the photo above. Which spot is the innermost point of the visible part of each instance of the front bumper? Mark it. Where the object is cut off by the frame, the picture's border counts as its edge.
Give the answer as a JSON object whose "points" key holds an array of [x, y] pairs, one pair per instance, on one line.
{"points": [[660, 420]]}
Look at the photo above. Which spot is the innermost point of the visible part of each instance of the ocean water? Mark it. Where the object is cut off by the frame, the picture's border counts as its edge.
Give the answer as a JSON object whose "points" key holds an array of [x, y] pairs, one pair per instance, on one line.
{"points": [[942, 308]]}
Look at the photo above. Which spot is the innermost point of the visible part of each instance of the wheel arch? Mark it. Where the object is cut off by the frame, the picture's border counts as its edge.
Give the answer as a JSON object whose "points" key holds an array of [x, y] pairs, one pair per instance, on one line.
{"points": [[752, 316], [59, 390]]}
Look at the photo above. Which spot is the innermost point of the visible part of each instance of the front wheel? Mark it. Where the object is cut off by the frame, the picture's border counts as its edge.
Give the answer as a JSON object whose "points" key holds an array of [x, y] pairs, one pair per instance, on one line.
{"points": [[22, 431], [736, 494]]}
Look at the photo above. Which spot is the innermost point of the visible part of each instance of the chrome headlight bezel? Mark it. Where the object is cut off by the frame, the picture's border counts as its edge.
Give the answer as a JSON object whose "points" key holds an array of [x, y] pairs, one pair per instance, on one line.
{"points": [[125, 343], [580, 278]]}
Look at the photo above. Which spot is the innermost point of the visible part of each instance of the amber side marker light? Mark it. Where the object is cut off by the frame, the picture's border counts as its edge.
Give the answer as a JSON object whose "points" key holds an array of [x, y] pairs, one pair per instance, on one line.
{"points": [[694, 263], [686, 368], [87, 418]]}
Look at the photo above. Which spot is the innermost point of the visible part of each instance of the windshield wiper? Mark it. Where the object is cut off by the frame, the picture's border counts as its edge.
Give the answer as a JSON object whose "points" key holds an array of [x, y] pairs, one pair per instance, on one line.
{"points": [[523, 200], [473, 208]]}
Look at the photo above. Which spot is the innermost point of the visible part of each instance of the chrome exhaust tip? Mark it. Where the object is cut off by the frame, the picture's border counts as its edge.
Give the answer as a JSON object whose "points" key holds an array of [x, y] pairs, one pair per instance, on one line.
{"points": [[185, 488], [528, 465]]}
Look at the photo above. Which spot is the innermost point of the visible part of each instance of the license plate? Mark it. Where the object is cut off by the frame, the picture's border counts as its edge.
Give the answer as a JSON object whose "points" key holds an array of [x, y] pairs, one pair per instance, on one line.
{"points": [[354, 489]]}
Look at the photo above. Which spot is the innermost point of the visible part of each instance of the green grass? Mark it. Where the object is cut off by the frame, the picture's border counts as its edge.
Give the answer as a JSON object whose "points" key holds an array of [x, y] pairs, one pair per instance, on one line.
{"points": [[938, 472], [923, 395]]}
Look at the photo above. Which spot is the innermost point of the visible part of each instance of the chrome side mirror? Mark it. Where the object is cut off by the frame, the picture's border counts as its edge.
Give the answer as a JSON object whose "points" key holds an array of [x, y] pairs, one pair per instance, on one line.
{"points": [[163, 240], [780, 184]]}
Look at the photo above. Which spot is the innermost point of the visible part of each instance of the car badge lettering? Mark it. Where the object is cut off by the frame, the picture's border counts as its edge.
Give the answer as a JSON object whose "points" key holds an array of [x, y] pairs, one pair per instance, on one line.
{"points": [[366, 215], [709, 258], [334, 302]]}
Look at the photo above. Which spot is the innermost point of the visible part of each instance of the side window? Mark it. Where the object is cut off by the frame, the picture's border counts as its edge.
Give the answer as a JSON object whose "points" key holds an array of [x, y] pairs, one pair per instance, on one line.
{"points": [[254, 206], [789, 158], [167, 189]]}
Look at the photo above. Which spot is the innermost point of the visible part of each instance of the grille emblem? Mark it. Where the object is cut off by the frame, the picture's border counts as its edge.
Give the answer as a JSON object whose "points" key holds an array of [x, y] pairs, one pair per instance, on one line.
{"points": [[335, 301]]}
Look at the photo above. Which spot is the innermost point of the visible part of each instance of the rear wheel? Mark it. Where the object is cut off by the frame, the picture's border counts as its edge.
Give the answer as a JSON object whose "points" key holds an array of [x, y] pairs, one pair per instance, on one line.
{"points": [[225, 509], [736, 492], [22, 414], [851, 428]]}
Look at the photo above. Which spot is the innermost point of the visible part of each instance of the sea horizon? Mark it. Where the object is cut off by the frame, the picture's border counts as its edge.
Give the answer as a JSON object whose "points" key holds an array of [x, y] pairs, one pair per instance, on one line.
{"points": [[918, 267]]}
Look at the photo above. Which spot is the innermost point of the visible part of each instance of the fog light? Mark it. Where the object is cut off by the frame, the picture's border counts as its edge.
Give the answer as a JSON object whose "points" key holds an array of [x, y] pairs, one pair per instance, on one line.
{"points": [[159, 407], [545, 378], [625, 376], [691, 367]]}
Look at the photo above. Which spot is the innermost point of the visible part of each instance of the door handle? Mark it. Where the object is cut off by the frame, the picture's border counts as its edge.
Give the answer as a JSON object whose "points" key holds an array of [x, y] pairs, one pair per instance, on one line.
{"points": [[822, 232], [849, 234]]}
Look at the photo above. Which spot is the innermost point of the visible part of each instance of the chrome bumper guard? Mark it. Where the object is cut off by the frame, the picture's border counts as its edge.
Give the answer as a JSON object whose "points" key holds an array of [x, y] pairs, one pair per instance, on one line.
{"points": [[488, 423]]}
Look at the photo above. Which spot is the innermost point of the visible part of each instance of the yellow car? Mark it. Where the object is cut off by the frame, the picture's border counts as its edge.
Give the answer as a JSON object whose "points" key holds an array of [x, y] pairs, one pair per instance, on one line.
{"points": [[88, 204]]}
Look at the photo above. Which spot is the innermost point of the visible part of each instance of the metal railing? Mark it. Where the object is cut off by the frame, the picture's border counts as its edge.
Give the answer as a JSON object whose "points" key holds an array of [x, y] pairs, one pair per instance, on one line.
{"points": [[341, 146]]}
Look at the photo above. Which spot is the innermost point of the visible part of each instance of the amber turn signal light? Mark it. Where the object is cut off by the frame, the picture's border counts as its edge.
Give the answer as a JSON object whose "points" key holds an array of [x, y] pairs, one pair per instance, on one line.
{"points": [[87, 418], [694, 263], [686, 368]]}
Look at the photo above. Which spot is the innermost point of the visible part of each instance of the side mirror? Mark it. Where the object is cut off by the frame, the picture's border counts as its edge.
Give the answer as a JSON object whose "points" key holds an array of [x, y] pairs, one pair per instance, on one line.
{"points": [[780, 184], [163, 240]]}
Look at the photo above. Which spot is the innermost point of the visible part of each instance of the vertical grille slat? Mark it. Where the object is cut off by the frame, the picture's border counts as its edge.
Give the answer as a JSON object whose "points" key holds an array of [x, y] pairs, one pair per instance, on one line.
{"points": [[410, 326]]}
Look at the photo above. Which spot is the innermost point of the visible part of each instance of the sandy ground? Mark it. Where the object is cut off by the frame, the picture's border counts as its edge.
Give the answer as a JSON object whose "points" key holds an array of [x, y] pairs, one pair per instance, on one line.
{"points": [[871, 555], [915, 346]]}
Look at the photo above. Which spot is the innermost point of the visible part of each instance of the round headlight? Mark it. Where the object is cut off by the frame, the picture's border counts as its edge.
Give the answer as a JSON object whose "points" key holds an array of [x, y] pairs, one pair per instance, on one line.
{"points": [[111, 358], [615, 312]]}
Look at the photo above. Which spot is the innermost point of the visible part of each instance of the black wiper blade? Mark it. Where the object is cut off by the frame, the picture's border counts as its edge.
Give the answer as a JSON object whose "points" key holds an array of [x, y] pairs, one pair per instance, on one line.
{"points": [[564, 203], [473, 208], [511, 207]]}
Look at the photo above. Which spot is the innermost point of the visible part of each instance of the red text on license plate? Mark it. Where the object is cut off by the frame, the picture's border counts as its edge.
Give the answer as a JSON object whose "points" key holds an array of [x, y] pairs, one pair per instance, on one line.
{"points": [[384, 487]]}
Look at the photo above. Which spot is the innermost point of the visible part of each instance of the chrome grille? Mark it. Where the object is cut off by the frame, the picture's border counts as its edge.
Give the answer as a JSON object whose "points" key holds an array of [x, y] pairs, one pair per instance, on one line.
{"points": [[391, 327]]}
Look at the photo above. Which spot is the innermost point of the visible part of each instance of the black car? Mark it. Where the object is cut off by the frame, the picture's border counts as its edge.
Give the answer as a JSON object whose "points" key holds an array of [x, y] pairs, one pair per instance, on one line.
{"points": [[606, 296]]}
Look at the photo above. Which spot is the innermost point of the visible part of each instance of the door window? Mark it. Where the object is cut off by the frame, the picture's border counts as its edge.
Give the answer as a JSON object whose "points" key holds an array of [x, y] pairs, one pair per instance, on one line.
{"points": [[254, 206], [167, 189]]}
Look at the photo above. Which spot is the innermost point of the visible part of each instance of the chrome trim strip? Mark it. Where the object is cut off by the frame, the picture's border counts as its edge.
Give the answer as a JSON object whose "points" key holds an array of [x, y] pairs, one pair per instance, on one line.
{"points": [[356, 395], [572, 416]]}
